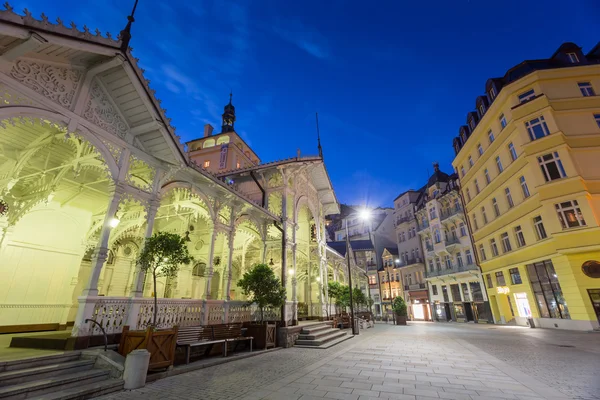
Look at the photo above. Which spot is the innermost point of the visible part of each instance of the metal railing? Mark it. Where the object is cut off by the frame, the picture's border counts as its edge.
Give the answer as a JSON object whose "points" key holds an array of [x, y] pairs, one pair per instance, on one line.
{"points": [[447, 214]]}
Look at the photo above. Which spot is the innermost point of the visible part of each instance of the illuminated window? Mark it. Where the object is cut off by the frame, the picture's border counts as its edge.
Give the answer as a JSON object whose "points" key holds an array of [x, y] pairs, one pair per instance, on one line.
{"points": [[206, 164], [569, 214]]}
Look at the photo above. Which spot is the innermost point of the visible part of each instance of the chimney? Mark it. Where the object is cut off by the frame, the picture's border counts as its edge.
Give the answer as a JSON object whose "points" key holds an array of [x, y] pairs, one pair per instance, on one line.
{"points": [[208, 130]]}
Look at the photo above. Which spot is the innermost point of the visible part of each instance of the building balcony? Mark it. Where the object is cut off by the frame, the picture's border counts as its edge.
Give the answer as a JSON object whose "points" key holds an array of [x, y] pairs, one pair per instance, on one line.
{"points": [[454, 270], [429, 248], [415, 286], [454, 212], [410, 261], [422, 226], [401, 220]]}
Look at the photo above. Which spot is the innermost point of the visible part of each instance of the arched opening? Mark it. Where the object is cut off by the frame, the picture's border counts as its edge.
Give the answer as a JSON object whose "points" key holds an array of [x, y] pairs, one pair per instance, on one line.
{"points": [[222, 140], [208, 143], [248, 248], [55, 186]]}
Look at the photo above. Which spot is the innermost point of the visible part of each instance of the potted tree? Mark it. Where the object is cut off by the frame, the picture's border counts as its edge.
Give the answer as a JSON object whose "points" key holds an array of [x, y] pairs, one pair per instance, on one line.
{"points": [[162, 254], [262, 287], [399, 308]]}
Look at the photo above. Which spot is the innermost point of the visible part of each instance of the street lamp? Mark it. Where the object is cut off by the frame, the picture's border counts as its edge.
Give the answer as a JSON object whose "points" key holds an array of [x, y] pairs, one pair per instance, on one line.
{"points": [[364, 215]]}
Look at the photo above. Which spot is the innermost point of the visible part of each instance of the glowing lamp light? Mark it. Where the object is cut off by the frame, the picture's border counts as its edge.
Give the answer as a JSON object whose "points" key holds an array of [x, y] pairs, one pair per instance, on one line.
{"points": [[114, 222], [291, 271], [365, 214], [318, 279], [397, 260]]}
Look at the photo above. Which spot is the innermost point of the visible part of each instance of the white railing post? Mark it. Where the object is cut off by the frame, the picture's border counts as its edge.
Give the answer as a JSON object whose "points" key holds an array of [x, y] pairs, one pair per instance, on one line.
{"points": [[226, 312]]}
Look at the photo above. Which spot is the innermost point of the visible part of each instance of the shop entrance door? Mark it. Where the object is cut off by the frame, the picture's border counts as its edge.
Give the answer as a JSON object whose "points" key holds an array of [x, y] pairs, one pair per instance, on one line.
{"points": [[469, 312], [595, 298], [447, 310]]}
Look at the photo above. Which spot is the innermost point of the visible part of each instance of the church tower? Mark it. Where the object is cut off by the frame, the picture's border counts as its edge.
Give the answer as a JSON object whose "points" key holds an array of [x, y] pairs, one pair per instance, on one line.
{"points": [[228, 117]]}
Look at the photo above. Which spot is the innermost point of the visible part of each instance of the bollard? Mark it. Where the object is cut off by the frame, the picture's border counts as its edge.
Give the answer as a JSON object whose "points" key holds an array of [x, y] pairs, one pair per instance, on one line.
{"points": [[136, 369]]}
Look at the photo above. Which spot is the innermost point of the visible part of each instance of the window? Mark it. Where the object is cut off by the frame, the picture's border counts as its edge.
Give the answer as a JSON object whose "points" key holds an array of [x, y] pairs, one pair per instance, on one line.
{"points": [[537, 128], [481, 110], [499, 164], [482, 253], [480, 149], [487, 176], [540, 231], [551, 166], [475, 222], [569, 214], [488, 279], [509, 199], [496, 208], [513, 152], [448, 262], [476, 186], [469, 257], [485, 220], [597, 118], [573, 59], [206, 164], [494, 247], [500, 279], [492, 93], [470, 161], [586, 89], [502, 121], [468, 194], [519, 236], [524, 187], [515, 276], [463, 229], [547, 290], [432, 213], [453, 231], [472, 124], [528, 95], [434, 290], [459, 260], [462, 171], [491, 136], [506, 247], [438, 264], [438, 237]]}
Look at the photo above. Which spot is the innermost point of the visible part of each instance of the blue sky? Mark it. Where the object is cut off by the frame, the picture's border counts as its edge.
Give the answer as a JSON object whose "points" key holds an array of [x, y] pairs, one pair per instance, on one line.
{"points": [[392, 80]]}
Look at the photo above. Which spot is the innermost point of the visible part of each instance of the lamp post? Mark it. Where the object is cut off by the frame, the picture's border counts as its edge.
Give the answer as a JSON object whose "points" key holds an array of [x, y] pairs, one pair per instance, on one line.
{"points": [[364, 215]]}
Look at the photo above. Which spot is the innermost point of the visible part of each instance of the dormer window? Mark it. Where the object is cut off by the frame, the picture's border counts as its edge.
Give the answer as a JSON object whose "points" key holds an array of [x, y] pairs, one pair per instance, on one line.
{"points": [[472, 124], [528, 95], [492, 93], [481, 110], [573, 59]]}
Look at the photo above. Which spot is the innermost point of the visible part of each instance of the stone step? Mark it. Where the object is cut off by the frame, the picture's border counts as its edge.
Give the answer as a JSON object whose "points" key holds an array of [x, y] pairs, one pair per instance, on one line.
{"points": [[318, 342], [328, 344], [317, 335], [45, 371], [88, 391], [50, 385], [315, 328], [39, 361]]}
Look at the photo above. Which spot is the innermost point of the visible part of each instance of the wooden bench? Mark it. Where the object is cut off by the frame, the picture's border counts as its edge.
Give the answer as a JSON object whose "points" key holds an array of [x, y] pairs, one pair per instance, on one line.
{"points": [[192, 336], [342, 321], [232, 333]]}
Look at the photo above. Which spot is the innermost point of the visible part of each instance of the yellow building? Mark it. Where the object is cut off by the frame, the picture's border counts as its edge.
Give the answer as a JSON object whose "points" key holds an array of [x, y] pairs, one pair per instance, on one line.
{"points": [[390, 279], [527, 161]]}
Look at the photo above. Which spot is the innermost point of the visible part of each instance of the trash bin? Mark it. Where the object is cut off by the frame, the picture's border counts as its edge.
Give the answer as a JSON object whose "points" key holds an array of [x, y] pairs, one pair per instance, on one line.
{"points": [[356, 326], [136, 369]]}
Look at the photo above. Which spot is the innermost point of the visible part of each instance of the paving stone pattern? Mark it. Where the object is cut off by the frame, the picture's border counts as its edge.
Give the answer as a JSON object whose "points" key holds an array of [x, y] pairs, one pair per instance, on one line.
{"points": [[422, 361]]}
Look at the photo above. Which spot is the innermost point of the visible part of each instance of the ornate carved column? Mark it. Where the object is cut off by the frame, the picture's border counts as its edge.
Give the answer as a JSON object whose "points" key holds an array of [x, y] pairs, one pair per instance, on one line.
{"points": [[229, 264], [138, 289], [101, 252], [211, 253]]}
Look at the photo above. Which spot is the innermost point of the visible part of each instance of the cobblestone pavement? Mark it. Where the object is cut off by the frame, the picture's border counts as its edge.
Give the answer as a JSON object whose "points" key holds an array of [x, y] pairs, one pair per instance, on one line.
{"points": [[420, 361]]}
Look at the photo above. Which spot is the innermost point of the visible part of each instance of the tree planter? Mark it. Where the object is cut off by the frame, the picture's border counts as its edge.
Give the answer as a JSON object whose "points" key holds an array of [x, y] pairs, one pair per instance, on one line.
{"points": [[264, 334], [401, 319], [160, 344]]}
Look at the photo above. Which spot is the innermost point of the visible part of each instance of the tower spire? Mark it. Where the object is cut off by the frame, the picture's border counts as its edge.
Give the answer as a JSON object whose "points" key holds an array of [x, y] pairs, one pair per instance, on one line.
{"points": [[126, 33], [228, 116], [319, 137]]}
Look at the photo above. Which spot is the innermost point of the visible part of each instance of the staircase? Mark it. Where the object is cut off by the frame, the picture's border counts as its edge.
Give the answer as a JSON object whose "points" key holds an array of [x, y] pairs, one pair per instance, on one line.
{"points": [[321, 336], [60, 376]]}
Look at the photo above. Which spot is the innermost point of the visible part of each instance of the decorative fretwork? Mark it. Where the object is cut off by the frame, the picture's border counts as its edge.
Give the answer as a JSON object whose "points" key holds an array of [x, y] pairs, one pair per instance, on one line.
{"points": [[11, 97], [140, 174], [111, 315], [216, 314], [101, 111], [114, 150], [170, 313], [56, 83]]}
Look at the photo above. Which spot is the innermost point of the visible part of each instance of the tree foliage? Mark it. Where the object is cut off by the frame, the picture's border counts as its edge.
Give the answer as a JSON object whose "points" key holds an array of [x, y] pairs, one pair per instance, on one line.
{"points": [[399, 306], [162, 255], [263, 288]]}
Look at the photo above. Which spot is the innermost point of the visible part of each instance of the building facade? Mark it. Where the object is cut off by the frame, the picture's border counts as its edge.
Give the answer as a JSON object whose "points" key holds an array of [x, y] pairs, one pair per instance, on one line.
{"points": [[390, 280], [87, 151], [456, 290], [410, 255], [527, 159]]}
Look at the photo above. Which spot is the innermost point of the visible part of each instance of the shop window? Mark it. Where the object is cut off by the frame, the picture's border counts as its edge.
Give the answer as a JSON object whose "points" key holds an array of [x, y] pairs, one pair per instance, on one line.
{"points": [[434, 290], [476, 291], [455, 289], [465, 291], [547, 290]]}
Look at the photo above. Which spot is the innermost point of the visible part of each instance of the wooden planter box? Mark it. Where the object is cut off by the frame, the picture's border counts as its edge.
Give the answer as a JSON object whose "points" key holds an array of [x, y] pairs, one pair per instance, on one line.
{"points": [[161, 345], [264, 334], [400, 319]]}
